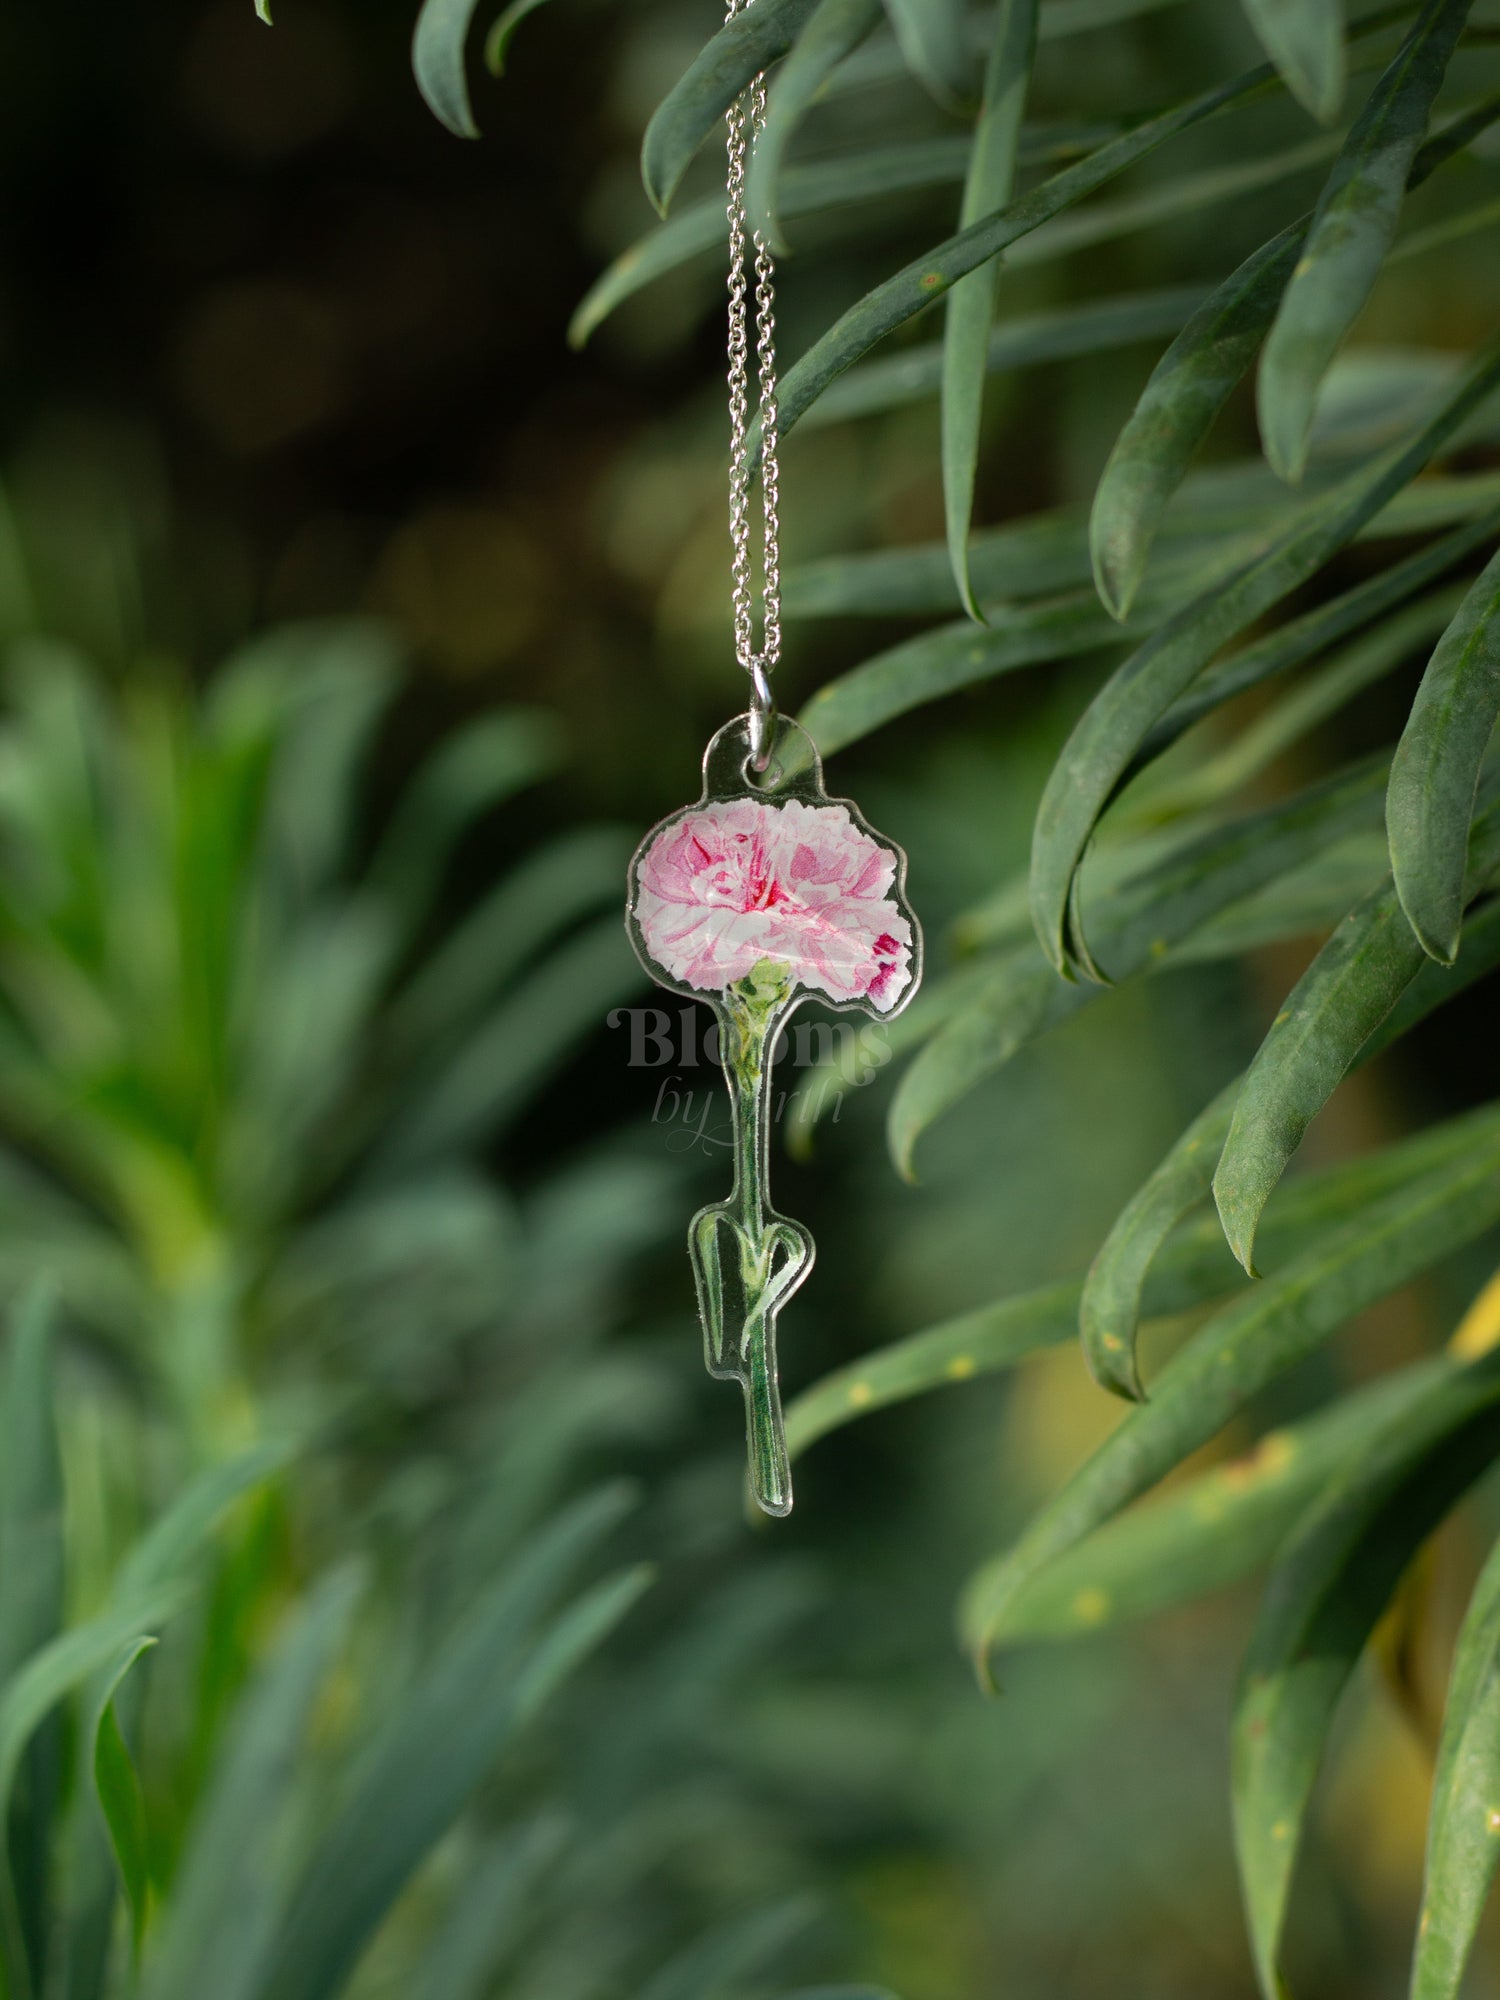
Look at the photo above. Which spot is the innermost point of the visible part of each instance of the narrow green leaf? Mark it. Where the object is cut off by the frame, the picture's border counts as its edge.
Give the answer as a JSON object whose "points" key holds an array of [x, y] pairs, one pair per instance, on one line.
{"points": [[744, 46], [934, 42], [1462, 1849], [218, 1922], [832, 31], [31, 1606], [913, 288], [1323, 1601], [1435, 773], [1096, 327], [1305, 40], [263, 11], [989, 185], [497, 42], [974, 1343], [482, 1686], [1108, 735], [437, 60], [1205, 1533], [1110, 1307], [1140, 921], [1188, 388], [1110, 1310], [172, 1544], [117, 1788], [1352, 228], [1329, 1016], [1256, 1338]]}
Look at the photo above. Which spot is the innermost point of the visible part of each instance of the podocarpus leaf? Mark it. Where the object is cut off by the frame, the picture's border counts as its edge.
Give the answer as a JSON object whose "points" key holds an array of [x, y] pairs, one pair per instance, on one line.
{"points": [[481, 1686], [1462, 1849], [1435, 772], [933, 36], [834, 28], [1141, 919], [437, 59], [1205, 1533], [1110, 1309], [1257, 1337], [1188, 388], [1192, 1266], [1323, 1600], [1094, 327], [744, 46], [497, 42], [1352, 228], [913, 288], [1305, 40], [1339, 1002], [971, 304], [1108, 735], [490, 1907]]}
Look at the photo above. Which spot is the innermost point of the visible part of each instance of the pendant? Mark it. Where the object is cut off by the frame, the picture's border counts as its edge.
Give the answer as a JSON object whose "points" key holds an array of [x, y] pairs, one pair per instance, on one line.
{"points": [[764, 894]]}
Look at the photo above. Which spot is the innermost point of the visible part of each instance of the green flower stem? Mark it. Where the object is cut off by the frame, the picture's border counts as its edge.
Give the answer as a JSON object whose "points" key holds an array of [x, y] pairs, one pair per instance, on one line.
{"points": [[773, 1254]]}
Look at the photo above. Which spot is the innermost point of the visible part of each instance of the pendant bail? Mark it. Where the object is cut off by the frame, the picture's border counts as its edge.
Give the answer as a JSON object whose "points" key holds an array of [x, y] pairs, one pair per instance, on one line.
{"points": [[762, 714]]}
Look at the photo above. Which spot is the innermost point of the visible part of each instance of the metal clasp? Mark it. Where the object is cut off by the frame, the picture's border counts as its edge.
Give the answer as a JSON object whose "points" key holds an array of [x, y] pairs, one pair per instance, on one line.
{"points": [[762, 715]]}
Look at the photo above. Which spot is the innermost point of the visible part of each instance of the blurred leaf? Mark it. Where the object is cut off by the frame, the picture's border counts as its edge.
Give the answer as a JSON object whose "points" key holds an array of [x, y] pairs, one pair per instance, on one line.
{"points": [[489, 1908], [218, 1924], [469, 1094], [1305, 40], [1461, 1846], [1109, 733], [1188, 388], [933, 39], [1339, 1002], [438, 1745], [1208, 1532], [31, 1609], [1251, 1341], [1325, 1596], [989, 185], [805, 188], [172, 1543], [27, 1698], [713, 1967], [497, 42], [117, 1787], [1435, 772], [460, 975], [475, 770], [437, 60], [744, 46], [1351, 230], [832, 30]]}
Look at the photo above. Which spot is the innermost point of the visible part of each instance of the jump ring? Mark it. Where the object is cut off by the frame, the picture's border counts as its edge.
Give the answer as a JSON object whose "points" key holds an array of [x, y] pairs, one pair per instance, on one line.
{"points": [[762, 714]]}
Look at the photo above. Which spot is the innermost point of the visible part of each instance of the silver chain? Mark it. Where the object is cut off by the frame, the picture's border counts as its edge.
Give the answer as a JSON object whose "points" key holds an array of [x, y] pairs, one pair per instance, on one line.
{"points": [[744, 119]]}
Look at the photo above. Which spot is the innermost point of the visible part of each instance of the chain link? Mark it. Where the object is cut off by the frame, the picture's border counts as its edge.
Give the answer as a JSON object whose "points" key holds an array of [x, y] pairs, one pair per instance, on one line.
{"points": [[743, 121]]}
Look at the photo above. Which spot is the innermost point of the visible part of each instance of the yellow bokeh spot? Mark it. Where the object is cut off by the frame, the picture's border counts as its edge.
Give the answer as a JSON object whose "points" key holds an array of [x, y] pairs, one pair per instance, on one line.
{"points": [[1479, 1329], [861, 1394], [961, 1367], [1091, 1607]]}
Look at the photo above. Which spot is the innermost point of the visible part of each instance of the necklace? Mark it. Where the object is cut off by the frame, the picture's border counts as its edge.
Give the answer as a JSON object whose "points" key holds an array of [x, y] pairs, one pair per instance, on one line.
{"points": [[764, 893]]}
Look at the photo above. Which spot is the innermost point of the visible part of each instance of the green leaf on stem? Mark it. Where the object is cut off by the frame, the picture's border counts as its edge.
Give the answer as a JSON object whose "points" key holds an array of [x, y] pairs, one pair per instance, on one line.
{"points": [[1435, 772], [1305, 40], [1351, 230], [988, 186]]}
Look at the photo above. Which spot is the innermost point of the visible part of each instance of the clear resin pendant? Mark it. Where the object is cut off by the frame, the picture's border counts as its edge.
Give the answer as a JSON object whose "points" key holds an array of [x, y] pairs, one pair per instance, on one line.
{"points": [[764, 894]]}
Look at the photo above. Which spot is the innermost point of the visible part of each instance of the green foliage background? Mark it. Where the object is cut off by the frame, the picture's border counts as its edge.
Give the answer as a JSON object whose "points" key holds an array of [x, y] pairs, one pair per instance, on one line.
{"points": [[376, 1611]]}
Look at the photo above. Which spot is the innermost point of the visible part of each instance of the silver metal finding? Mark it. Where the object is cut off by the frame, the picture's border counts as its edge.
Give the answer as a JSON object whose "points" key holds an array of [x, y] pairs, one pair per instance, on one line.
{"points": [[743, 121], [762, 715]]}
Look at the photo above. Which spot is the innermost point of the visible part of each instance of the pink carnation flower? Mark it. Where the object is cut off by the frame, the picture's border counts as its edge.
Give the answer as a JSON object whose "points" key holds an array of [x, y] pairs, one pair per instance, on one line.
{"points": [[729, 885]]}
